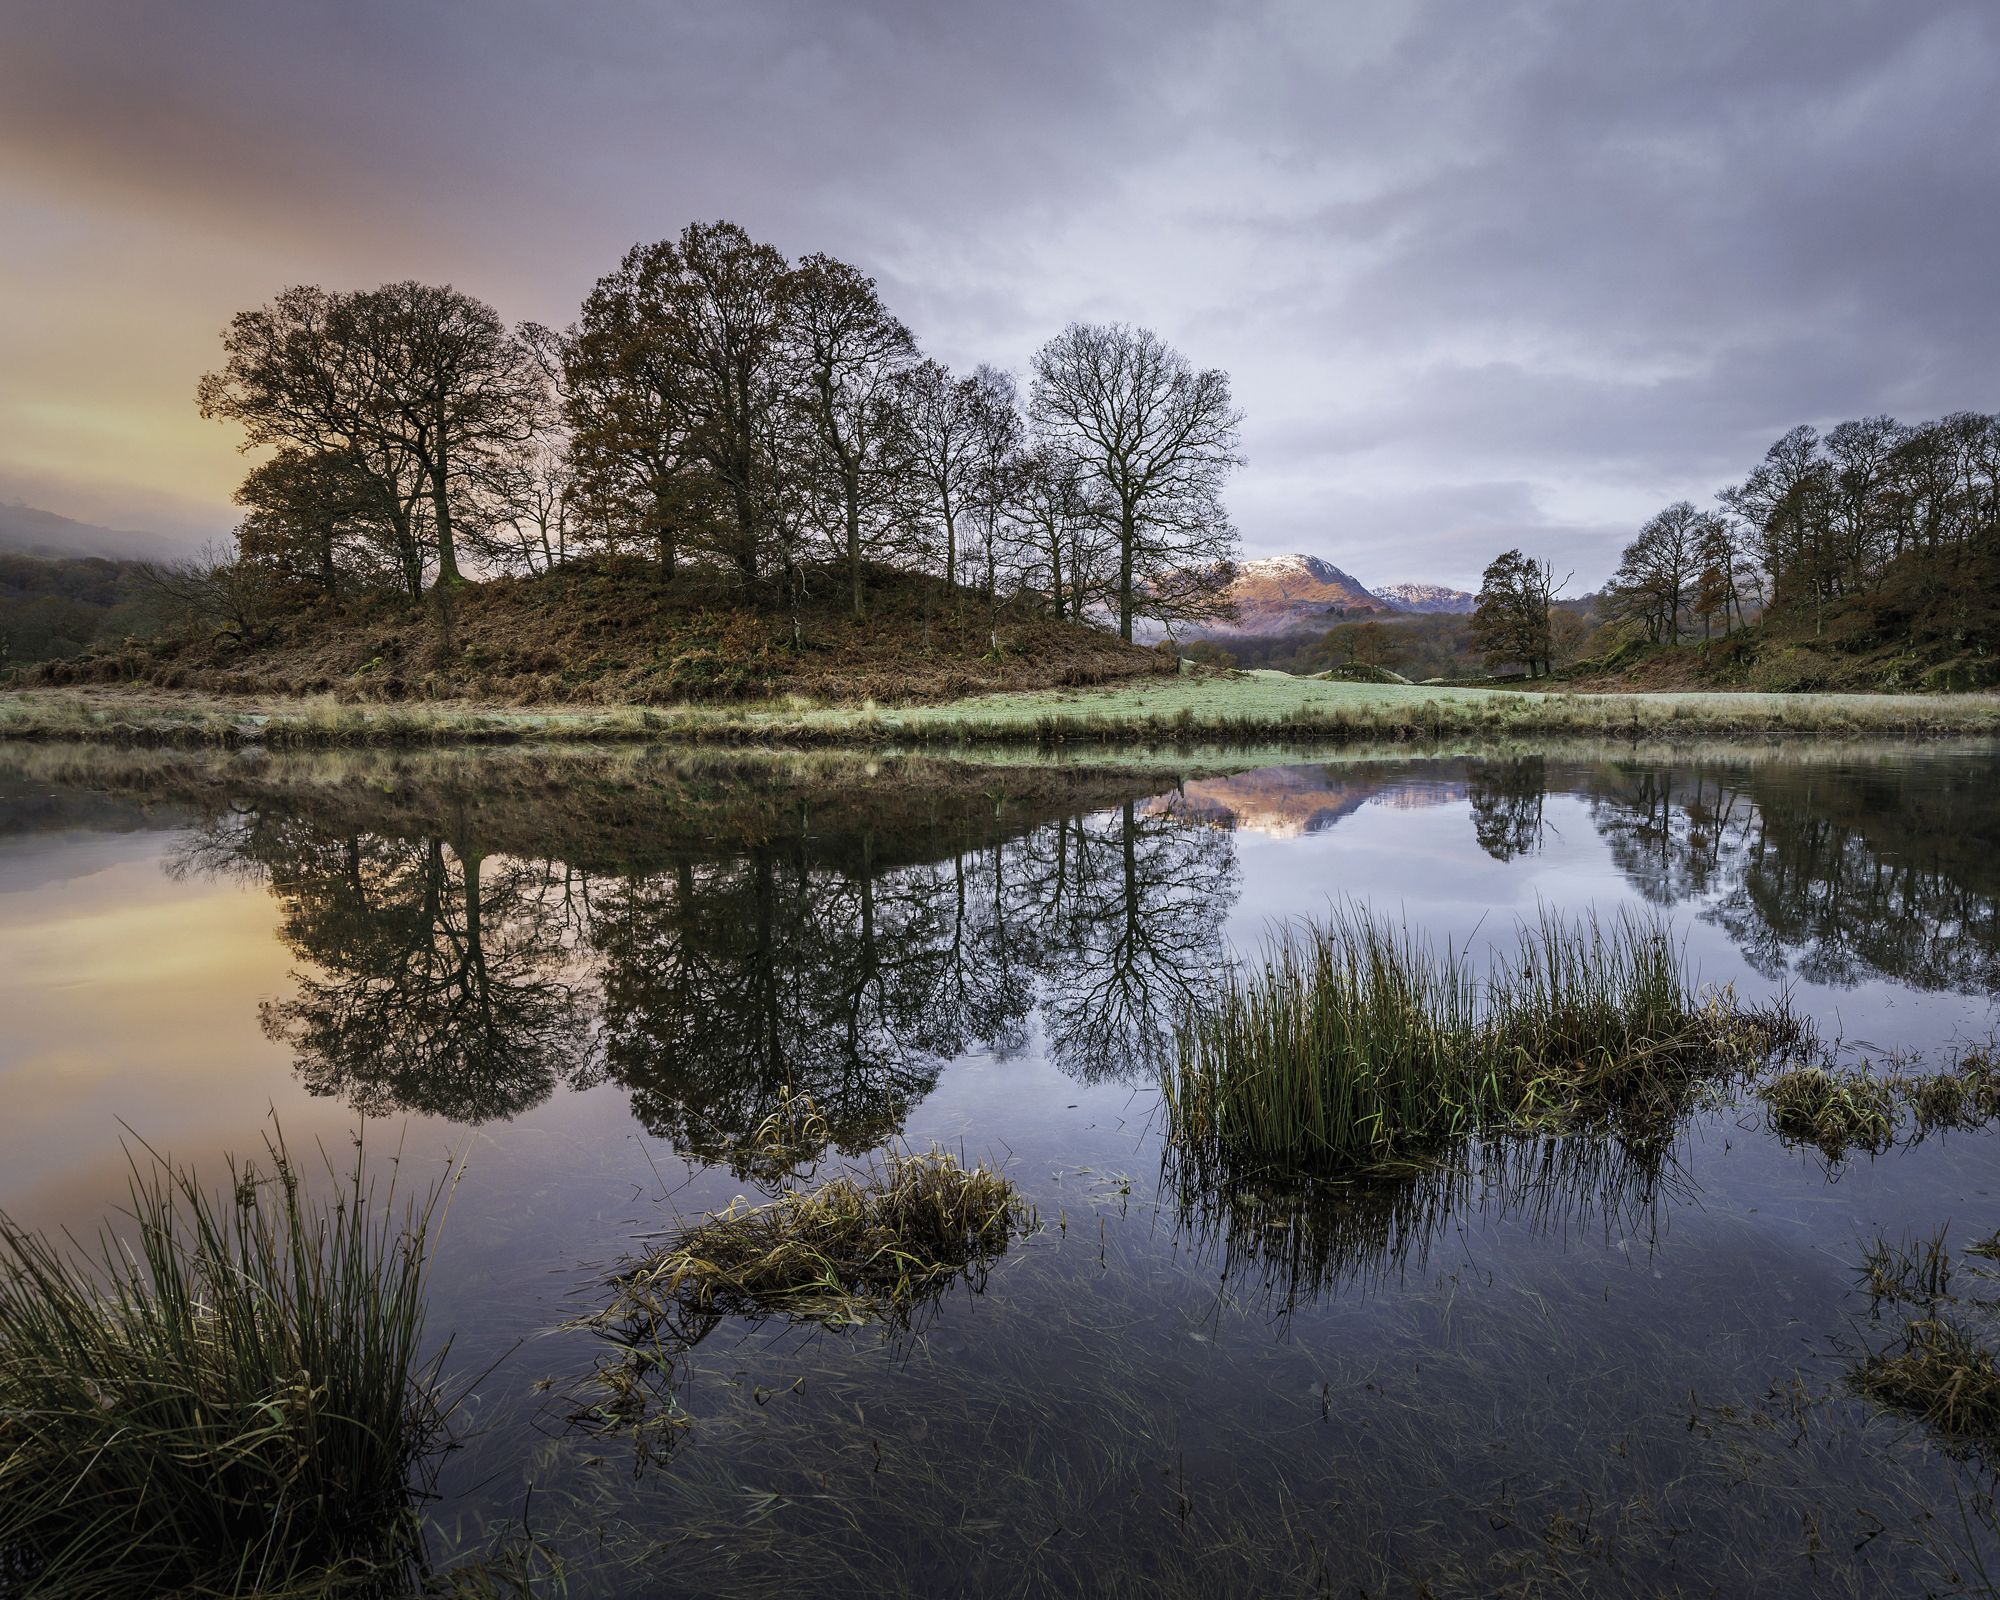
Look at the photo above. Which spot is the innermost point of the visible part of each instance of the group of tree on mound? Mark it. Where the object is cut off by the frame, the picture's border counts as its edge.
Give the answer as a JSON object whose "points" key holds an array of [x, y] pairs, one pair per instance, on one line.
{"points": [[713, 407]]}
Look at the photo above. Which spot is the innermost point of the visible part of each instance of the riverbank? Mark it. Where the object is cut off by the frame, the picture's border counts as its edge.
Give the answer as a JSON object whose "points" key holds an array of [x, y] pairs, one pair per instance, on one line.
{"points": [[1250, 706], [1246, 706]]}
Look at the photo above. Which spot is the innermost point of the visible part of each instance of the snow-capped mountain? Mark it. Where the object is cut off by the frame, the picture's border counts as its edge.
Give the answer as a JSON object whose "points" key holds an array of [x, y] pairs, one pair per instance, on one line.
{"points": [[1279, 594], [1426, 597], [1292, 594]]}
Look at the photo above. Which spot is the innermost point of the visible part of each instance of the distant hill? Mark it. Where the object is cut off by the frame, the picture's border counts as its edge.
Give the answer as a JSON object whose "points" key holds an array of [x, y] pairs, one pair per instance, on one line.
{"points": [[43, 533], [1281, 594], [1290, 594], [1427, 597]]}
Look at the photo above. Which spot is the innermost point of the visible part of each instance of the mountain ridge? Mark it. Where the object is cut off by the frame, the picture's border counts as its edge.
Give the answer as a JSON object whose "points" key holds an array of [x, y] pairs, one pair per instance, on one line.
{"points": [[1283, 594], [34, 532]]}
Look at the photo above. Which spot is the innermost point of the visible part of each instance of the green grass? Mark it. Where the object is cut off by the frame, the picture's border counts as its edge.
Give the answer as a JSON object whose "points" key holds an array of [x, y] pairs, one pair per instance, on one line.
{"points": [[231, 1402], [1355, 1042], [1211, 708]]}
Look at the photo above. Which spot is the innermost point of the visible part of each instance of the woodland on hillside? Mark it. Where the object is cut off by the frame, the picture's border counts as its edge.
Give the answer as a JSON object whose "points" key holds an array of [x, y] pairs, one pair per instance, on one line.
{"points": [[1867, 556], [55, 608], [716, 410], [1416, 645]]}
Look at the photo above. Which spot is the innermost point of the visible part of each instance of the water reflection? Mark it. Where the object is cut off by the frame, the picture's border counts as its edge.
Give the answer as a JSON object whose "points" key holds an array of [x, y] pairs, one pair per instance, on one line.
{"points": [[1836, 874], [1835, 870], [846, 964], [452, 965], [1286, 1246], [436, 980]]}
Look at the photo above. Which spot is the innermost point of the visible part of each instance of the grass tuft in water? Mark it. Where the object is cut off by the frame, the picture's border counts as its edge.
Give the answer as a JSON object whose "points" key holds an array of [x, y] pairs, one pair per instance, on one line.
{"points": [[1356, 1042], [1940, 1371], [1914, 1270], [885, 1236], [880, 1243], [1833, 1109], [233, 1403]]}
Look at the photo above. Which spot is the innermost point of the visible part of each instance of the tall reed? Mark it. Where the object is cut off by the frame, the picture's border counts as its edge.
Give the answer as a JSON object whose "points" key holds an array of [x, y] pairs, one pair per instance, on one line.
{"points": [[1348, 1042], [233, 1403], [1354, 1041]]}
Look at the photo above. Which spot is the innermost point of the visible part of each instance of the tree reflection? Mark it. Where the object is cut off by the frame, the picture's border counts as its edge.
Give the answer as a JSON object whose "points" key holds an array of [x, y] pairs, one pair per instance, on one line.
{"points": [[1136, 921], [845, 967], [1834, 873], [1507, 801], [726, 982], [439, 979]]}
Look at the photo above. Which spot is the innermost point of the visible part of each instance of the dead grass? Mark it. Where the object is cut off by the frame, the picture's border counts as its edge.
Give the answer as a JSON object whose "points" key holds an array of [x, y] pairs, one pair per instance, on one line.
{"points": [[1841, 1109], [856, 1247], [881, 1243]]}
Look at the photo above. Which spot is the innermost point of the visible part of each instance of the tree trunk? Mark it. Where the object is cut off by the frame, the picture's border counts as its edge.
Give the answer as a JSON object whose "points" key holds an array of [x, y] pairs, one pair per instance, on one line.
{"points": [[1127, 536], [441, 502]]}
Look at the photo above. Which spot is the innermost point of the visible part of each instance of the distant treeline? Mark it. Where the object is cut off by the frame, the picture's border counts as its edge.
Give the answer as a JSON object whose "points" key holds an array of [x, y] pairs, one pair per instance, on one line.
{"points": [[1417, 645], [57, 608], [1888, 531], [715, 406]]}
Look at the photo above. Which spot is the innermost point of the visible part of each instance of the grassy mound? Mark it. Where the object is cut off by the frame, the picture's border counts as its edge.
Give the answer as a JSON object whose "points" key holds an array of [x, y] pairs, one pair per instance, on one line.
{"points": [[234, 1406], [614, 631]]}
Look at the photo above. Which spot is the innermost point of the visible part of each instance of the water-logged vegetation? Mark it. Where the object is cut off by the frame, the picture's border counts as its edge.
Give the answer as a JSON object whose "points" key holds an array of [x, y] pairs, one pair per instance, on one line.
{"points": [[1585, 1329]]}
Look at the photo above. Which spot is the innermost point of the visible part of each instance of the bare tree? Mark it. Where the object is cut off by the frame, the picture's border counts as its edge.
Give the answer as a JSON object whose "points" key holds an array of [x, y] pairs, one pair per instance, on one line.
{"points": [[1062, 527], [847, 354], [415, 386], [1158, 436], [1656, 576], [941, 439], [450, 384], [213, 592], [295, 377], [995, 411], [532, 509]]}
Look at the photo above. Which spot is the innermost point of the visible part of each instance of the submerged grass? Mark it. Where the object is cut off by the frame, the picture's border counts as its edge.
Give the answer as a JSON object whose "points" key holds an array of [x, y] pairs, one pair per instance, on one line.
{"points": [[1940, 1371], [1356, 1042], [1940, 1366], [234, 1406], [880, 1243]]}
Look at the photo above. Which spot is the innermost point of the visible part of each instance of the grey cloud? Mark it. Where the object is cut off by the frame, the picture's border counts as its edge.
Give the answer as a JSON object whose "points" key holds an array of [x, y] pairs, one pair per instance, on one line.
{"points": [[1485, 272]]}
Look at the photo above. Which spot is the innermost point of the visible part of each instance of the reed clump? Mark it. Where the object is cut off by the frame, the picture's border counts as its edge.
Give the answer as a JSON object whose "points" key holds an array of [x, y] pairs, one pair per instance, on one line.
{"points": [[859, 1245], [232, 1403], [1356, 1042]]}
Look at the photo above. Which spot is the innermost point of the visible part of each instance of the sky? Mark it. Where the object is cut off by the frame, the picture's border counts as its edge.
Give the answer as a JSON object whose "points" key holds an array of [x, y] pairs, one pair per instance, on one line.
{"points": [[1483, 273]]}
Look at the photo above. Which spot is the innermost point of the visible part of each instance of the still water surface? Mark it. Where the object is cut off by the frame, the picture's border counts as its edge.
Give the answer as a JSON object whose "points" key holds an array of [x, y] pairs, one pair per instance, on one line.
{"points": [[1548, 1367]]}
